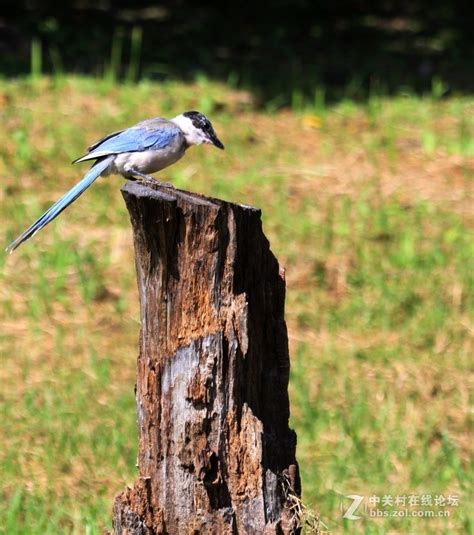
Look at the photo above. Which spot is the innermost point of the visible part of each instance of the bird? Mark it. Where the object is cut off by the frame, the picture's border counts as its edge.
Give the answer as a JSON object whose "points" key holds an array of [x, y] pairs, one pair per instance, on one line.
{"points": [[147, 147]]}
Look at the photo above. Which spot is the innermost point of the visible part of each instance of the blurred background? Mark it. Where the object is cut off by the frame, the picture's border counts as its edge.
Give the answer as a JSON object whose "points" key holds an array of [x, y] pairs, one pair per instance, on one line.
{"points": [[350, 125]]}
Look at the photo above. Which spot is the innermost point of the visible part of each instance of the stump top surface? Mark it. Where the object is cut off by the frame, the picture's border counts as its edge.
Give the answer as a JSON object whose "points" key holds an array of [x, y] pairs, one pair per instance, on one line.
{"points": [[167, 194]]}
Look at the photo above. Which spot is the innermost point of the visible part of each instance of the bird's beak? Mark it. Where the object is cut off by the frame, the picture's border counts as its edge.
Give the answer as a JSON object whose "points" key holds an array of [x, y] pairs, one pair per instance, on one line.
{"points": [[214, 140]]}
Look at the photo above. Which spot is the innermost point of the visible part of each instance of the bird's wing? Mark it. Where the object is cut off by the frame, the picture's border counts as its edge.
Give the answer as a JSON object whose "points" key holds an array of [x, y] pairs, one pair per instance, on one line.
{"points": [[153, 134], [100, 141]]}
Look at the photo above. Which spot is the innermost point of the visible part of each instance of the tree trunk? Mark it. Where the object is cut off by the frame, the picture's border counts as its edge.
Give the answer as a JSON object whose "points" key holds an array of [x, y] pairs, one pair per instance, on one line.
{"points": [[216, 455]]}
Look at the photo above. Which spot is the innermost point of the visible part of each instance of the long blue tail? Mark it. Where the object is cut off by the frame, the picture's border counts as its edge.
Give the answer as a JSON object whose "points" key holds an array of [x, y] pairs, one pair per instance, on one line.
{"points": [[62, 203]]}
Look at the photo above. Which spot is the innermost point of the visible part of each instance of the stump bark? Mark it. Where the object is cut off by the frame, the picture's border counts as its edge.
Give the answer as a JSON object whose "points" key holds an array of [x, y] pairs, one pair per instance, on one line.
{"points": [[216, 455]]}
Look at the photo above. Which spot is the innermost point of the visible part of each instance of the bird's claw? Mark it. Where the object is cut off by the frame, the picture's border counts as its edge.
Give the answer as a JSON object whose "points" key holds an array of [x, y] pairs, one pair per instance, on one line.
{"points": [[152, 182], [147, 180]]}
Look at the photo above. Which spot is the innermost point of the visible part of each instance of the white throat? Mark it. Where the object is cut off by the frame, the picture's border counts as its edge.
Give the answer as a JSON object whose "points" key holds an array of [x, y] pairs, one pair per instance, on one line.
{"points": [[192, 135]]}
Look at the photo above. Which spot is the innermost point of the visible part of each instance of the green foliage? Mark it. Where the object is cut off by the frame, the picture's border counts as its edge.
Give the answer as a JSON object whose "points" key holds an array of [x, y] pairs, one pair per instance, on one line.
{"points": [[36, 60], [135, 51]]}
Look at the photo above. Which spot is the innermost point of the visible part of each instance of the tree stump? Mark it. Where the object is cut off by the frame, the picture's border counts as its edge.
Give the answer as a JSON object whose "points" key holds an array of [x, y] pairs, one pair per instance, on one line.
{"points": [[216, 455]]}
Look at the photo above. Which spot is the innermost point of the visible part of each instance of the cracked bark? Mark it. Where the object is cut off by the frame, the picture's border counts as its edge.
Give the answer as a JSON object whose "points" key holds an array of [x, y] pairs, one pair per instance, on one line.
{"points": [[216, 454]]}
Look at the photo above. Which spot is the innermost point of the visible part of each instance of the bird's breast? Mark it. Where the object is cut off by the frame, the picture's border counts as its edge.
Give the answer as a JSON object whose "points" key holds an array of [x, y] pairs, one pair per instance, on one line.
{"points": [[149, 161]]}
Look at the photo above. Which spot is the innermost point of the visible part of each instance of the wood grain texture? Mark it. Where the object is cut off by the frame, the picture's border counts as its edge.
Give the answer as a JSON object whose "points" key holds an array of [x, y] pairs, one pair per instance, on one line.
{"points": [[216, 454]]}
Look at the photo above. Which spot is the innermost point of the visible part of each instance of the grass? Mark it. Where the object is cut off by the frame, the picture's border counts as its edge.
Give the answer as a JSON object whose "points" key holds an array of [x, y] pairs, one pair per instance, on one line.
{"points": [[368, 207]]}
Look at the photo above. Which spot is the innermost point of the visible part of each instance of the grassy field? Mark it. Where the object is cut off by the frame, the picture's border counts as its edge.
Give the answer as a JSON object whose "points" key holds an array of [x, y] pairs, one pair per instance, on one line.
{"points": [[369, 208]]}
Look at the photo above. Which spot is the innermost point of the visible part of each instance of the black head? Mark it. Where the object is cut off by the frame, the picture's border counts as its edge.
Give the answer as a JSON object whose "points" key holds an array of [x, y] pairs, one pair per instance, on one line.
{"points": [[201, 122]]}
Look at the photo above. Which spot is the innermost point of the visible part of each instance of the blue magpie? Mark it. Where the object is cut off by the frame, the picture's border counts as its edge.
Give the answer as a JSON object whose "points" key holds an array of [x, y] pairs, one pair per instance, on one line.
{"points": [[145, 148]]}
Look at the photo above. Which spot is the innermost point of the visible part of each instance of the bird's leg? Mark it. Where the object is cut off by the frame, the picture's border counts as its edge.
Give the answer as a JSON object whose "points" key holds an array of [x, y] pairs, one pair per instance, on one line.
{"points": [[147, 179]]}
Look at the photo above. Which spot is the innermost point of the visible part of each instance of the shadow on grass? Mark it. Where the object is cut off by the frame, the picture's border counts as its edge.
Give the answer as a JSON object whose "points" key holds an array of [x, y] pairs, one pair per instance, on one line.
{"points": [[282, 54]]}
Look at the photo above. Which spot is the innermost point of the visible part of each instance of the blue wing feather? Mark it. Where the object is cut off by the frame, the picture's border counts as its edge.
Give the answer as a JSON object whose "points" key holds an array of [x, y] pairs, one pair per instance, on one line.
{"points": [[136, 140], [150, 135]]}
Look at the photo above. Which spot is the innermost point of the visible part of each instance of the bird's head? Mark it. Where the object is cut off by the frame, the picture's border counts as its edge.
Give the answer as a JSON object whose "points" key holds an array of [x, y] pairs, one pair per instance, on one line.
{"points": [[197, 129]]}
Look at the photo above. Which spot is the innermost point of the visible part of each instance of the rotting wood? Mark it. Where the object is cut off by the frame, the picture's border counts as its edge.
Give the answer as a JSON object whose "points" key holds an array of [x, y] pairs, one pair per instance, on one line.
{"points": [[216, 454]]}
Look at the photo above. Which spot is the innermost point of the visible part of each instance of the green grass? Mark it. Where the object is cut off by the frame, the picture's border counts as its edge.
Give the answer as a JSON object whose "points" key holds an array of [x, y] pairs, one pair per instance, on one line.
{"points": [[368, 207], [386, 403]]}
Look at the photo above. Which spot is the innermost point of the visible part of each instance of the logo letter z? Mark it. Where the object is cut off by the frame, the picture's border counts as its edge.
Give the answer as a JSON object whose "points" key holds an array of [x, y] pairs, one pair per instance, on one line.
{"points": [[356, 501]]}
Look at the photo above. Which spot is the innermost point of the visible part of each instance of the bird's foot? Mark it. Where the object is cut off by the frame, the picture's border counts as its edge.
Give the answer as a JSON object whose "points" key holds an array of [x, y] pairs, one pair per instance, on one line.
{"points": [[152, 182], [148, 180]]}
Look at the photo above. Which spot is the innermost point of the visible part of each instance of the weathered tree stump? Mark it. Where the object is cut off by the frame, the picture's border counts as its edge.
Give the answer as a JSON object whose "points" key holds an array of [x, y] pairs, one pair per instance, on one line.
{"points": [[216, 454]]}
